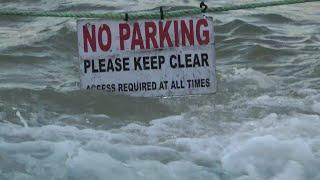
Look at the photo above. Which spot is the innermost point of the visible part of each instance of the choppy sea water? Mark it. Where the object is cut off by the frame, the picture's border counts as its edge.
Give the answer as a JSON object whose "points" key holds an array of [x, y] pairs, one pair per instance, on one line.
{"points": [[263, 123]]}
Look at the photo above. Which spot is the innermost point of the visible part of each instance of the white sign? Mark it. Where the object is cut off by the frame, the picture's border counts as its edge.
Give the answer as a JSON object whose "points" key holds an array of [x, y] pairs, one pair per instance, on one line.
{"points": [[149, 57]]}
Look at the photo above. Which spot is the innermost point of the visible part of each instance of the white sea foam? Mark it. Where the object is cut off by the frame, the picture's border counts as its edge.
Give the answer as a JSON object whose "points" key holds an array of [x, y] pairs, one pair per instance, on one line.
{"points": [[252, 77], [276, 147]]}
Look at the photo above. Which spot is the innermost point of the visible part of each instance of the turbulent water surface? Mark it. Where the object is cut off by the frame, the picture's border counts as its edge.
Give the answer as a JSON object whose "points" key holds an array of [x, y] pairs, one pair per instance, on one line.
{"points": [[263, 123]]}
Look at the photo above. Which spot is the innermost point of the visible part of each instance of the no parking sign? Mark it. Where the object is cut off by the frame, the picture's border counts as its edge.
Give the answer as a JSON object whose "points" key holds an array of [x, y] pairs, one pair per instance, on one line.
{"points": [[148, 57]]}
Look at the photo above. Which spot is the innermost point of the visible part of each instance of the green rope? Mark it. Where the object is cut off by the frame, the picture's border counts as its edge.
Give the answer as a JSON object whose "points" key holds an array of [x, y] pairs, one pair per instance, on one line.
{"points": [[150, 15]]}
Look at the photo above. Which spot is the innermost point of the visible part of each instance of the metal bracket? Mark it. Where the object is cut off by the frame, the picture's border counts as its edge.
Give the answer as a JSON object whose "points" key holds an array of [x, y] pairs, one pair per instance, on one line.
{"points": [[203, 7], [161, 13]]}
